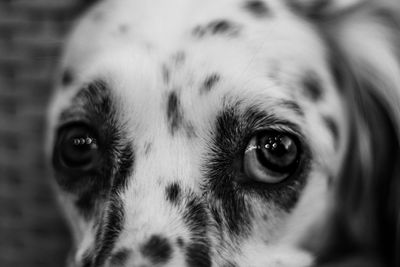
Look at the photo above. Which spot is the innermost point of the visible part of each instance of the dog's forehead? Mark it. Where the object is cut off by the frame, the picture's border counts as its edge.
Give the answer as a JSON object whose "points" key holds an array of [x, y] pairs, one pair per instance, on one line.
{"points": [[146, 53], [235, 36]]}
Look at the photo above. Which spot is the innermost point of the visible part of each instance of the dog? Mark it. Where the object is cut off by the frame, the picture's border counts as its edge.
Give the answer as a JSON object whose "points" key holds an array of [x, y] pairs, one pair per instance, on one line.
{"points": [[232, 133]]}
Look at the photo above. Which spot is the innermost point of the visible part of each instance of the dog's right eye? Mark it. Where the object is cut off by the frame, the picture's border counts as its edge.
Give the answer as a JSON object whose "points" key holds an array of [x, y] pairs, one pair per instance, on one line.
{"points": [[271, 157], [77, 148]]}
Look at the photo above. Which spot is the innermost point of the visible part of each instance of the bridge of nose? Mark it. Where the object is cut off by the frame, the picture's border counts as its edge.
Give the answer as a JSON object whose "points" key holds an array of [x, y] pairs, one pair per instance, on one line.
{"points": [[163, 159], [165, 177]]}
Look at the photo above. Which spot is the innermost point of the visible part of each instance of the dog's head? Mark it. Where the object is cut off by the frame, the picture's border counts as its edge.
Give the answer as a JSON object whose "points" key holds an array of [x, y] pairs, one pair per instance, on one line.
{"points": [[213, 133]]}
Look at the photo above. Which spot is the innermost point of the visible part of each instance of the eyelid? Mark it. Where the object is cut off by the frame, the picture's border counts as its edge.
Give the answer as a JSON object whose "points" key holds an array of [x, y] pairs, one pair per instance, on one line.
{"points": [[69, 117], [283, 127], [76, 123]]}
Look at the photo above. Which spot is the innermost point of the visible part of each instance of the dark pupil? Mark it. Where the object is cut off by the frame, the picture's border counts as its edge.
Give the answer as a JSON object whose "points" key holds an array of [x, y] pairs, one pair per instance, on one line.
{"points": [[78, 148], [278, 152]]}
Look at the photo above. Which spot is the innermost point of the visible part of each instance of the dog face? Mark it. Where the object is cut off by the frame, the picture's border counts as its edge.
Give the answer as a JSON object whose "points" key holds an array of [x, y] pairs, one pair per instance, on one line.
{"points": [[196, 133]]}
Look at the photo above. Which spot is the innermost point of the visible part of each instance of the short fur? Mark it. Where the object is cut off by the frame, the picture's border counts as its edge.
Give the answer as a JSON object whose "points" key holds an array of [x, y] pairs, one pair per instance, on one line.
{"points": [[174, 90]]}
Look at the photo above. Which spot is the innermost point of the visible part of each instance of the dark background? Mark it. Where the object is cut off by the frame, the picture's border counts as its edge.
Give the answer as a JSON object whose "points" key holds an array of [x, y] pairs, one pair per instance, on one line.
{"points": [[32, 231]]}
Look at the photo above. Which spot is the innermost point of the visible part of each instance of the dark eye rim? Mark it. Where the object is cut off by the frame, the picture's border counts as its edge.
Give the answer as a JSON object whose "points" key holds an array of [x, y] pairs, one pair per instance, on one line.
{"points": [[299, 168], [56, 156]]}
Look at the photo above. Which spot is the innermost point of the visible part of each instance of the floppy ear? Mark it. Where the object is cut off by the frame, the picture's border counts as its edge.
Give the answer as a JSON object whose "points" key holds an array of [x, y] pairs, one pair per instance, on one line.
{"points": [[364, 222]]}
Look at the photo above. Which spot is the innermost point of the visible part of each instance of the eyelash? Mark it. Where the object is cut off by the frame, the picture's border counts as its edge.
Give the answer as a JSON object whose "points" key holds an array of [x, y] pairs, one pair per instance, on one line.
{"points": [[278, 126]]}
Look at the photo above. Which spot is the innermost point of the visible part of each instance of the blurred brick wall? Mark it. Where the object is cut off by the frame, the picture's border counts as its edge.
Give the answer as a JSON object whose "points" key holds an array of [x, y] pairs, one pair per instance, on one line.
{"points": [[32, 232]]}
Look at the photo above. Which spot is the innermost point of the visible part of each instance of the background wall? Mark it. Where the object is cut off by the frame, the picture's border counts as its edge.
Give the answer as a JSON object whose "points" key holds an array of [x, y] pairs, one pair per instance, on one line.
{"points": [[32, 232]]}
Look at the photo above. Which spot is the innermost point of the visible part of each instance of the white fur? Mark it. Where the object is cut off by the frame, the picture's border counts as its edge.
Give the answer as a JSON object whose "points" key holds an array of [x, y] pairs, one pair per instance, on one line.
{"points": [[130, 63]]}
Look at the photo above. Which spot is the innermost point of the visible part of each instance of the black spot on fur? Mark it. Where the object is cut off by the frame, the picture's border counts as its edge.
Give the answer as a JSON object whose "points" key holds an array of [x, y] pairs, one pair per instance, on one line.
{"points": [[293, 106], [157, 249], [312, 87], [109, 230], [195, 215], [257, 8], [198, 255], [174, 112], [217, 27], [173, 192], [97, 98], [175, 118], [120, 257], [210, 82], [180, 242], [67, 77], [196, 218], [220, 26], [333, 128]]}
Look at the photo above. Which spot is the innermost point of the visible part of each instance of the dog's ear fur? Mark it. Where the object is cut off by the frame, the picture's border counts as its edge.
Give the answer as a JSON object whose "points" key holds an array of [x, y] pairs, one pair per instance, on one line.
{"points": [[364, 223]]}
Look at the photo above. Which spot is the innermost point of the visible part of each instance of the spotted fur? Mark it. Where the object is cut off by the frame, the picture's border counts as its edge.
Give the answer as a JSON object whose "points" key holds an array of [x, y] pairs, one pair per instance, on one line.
{"points": [[172, 92]]}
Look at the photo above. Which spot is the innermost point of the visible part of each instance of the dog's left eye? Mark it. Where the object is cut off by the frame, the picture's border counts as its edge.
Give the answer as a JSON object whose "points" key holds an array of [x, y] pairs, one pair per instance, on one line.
{"points": [[271, 157], [77, 148]]}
